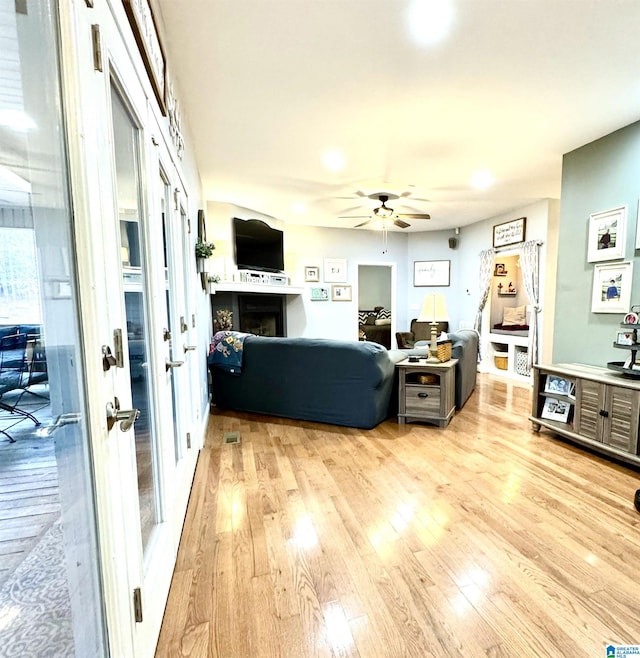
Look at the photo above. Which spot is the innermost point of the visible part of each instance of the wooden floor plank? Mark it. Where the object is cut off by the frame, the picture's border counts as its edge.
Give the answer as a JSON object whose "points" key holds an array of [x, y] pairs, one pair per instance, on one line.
{"points": [[480, 539]]}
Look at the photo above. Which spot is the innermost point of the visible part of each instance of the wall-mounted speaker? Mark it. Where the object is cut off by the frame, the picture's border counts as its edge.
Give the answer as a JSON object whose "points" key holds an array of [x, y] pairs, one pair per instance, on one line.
{"points": [[453, 243]]}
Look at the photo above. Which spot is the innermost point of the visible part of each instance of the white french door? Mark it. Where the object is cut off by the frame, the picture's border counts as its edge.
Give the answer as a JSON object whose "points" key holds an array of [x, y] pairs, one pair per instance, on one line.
{"points": [[135, 260]]}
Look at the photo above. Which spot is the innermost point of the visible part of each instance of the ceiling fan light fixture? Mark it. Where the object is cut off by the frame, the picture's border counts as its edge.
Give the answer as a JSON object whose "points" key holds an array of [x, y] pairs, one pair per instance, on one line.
{"points": [[383, 211]]}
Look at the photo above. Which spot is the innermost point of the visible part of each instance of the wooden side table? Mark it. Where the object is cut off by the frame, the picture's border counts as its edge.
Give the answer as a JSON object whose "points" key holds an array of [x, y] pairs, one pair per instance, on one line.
{"points": [[426, 391]]}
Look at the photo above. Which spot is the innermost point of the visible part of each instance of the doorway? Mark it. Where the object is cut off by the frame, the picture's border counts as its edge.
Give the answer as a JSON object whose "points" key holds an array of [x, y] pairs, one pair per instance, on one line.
{"points": [[376, 296]]}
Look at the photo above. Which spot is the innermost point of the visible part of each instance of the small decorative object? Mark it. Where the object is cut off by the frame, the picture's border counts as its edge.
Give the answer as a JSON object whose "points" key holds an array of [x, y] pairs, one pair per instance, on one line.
{"points": [[311, 274], [340, 293], [431, 273], [224, 320], [627, 337], [508, 233], [212, 279], [319, 294], [500, 270], [510, 287], [204, 250], [500, 286], [607, 231], [631, 318], [335, 270], [611, 288]]}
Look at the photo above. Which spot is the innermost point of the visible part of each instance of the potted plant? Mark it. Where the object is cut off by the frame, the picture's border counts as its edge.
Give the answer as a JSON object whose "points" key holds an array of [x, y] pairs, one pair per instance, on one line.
{"points": [[204, 250], [212, 279]]}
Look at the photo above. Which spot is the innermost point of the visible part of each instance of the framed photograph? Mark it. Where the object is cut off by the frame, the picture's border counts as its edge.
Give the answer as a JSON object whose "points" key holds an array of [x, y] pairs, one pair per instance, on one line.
{"points": [[335, 270], [556, 410], [319, 294], [611, 288], [638, 227], [431, 273], [607, 232], [311, 273], [340, 293], [556, 384], [627, 337], [509, 232], [500, 270]]}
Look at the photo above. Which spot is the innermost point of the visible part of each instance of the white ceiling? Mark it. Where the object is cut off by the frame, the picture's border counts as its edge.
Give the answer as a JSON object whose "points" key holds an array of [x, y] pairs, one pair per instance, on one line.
{"points": [[268, 85]]}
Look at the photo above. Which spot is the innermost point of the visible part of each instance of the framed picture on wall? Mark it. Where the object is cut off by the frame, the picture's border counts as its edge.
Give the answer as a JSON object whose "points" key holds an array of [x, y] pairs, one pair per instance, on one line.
{"points": [[611, 288], [319, 294], [340, 293], [607, 233], [335, 270], [431, 273], [508, 233], [311, 273]]}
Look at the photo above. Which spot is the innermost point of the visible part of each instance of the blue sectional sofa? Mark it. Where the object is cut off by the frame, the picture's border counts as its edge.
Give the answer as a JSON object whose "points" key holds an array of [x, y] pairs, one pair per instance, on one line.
{"points": [[347, 383], [329, 381]]}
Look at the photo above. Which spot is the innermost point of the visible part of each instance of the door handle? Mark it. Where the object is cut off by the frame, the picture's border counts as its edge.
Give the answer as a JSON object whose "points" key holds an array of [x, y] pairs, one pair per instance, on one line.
{"points": [[126, 418], [190, 348], [172, 364]]}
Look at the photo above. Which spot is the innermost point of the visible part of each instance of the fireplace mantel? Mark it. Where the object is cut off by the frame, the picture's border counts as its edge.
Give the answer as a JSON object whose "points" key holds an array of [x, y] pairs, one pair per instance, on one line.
{"points": [[257, 288]]}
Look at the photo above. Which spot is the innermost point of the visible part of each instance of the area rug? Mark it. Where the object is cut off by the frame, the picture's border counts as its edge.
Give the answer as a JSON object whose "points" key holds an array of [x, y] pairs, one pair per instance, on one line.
{"points": [[35, 609]]}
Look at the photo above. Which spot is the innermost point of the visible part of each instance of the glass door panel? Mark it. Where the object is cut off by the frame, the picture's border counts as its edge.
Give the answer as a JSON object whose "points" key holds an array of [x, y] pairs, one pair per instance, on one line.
{"points": [[50, 585], [131, 210]]}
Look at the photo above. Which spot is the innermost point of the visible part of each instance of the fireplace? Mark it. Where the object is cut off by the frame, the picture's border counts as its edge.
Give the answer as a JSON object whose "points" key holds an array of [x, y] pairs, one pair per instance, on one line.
{"points": [[260, 314]]}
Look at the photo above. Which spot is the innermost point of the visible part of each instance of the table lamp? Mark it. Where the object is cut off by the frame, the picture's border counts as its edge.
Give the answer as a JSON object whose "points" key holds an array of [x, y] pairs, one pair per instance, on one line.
{"points": [[434, 310]]}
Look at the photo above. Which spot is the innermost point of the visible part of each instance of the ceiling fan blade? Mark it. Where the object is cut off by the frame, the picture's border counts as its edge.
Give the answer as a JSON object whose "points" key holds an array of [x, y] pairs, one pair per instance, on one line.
{"points": [[354, 217], [364, 223], [400, 223], [414, 215]]}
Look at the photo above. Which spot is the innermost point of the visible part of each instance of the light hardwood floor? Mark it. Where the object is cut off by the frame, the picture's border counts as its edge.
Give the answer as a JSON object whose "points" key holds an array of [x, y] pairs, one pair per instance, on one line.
{"points": [[481, 539]]}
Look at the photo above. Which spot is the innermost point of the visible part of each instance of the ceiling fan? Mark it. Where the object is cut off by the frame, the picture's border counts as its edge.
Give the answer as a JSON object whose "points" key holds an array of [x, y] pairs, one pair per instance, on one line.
{"points": [[383, 212]]}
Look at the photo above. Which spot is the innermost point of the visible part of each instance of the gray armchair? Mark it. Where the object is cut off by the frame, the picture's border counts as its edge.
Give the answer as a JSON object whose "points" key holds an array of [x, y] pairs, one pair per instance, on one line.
{"points": [[419, 331]]}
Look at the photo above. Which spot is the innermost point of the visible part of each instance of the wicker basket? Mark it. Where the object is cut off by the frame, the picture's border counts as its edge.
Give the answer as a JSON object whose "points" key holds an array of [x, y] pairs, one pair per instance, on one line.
{"points": [[501, 362], [428, 379], [443, 351]]}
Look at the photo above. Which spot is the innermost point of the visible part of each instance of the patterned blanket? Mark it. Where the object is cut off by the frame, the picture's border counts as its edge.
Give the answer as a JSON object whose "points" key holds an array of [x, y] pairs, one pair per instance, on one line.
{"points": [[226, 351]]}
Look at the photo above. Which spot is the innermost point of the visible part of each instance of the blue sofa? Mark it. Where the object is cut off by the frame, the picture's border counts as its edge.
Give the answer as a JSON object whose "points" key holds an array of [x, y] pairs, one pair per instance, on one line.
{"points": [[345, 383]]}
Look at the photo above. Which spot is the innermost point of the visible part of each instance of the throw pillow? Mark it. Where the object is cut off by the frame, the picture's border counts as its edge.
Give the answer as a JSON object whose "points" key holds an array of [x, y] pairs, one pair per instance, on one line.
{"points": [[514, 315], [382, 321], [362, 316], [371, 318], [384, 314]]}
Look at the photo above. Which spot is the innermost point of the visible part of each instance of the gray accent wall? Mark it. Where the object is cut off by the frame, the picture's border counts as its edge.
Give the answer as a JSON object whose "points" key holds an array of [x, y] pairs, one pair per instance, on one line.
{"points": [[602, 175]]}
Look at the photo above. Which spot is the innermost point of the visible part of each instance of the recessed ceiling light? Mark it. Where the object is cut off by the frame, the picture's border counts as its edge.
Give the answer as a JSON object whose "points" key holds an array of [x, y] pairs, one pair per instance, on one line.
{"points": [[334, 160], [482, 179], [298, 208], [430, 20]]}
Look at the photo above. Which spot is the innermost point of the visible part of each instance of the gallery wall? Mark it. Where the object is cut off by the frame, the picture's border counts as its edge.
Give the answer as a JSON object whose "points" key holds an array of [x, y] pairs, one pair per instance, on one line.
{"points": [[309, 246], [602, 175]]}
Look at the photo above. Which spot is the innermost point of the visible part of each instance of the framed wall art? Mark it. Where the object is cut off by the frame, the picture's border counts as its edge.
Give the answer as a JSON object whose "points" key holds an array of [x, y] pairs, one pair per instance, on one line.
{"points": [[311, 273], [335, 270], [611, 288], [509, 232], [607, 232], [319, 294], [431, 273], [340, 293]]}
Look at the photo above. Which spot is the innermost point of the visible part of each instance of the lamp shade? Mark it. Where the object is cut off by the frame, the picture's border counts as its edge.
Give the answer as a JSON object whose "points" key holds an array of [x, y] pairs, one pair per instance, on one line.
{"points": [[434, 308]]}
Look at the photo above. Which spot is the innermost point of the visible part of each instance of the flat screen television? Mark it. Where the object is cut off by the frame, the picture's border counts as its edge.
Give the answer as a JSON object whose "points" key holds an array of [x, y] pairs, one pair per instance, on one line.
{"points": [[258, 246]]}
